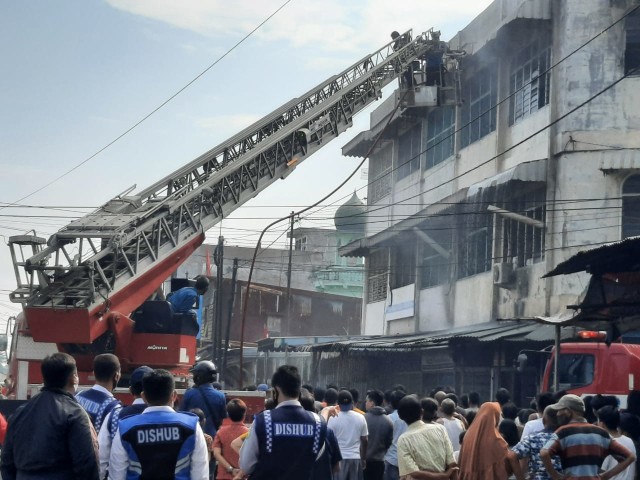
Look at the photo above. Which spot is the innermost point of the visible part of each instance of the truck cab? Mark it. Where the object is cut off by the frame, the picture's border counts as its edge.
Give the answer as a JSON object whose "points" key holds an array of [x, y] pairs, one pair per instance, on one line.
{"points": [[595, 368]]}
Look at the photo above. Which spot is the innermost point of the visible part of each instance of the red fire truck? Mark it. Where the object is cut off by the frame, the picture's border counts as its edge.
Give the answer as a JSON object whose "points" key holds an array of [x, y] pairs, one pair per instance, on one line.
{"points": [[85, 290], [591, 367]]}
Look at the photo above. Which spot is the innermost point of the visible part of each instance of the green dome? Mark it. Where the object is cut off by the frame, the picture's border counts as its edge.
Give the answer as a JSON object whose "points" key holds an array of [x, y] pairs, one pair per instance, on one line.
{"points": [[350, 217]]}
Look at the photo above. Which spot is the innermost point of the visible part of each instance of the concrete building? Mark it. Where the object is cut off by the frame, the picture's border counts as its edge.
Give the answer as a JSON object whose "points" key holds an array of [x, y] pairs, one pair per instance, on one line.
{"points": [[530, 155]]}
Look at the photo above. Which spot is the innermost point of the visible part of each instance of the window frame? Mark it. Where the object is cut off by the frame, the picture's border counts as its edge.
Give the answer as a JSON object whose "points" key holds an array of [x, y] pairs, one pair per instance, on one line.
{"points": [[409, 151], [440, 135], [478, 114]]}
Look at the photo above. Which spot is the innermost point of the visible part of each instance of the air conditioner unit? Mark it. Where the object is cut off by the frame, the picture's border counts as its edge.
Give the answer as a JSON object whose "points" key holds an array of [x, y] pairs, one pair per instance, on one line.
{"points": [[503, 274]]}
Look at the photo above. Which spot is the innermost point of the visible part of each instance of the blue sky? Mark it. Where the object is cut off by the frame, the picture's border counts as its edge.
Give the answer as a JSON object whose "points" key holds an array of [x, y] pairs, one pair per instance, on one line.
{"points": [[78, 73]]}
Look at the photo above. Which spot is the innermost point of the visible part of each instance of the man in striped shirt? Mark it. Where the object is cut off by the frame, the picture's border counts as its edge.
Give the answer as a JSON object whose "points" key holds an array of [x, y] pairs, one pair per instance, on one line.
{"points": [[582, 447]]}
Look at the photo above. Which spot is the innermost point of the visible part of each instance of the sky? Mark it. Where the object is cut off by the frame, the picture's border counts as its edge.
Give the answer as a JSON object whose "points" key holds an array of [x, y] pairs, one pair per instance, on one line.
{"points": [[78, 74]]}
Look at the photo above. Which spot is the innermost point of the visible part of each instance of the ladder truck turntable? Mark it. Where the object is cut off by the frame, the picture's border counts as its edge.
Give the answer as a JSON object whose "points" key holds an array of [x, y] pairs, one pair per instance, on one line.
{"points": [[79, 288]]}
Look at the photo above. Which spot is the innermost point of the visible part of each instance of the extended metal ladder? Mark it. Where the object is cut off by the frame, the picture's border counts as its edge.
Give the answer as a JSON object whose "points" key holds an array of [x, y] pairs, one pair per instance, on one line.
{"points": [[130, 239]]}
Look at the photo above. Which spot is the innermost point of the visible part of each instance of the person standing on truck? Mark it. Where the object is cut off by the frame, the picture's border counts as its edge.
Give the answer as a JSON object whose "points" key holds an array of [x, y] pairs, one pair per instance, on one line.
{"points": [[109, 427], [582, 447], [184, 299], [98, 401], [159, 442], [51, 437]]}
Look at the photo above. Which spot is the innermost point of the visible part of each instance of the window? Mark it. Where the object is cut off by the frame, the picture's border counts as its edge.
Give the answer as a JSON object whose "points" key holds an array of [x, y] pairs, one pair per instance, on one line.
{"points": [[574, 370], [523, 244], [380, 171], [631, 207], [475, 244], [403, 263], [301, 243], [377, 275], [435, 266], [632, 47], [409, 152], [441, 124], [529, 82], [478, 112]]}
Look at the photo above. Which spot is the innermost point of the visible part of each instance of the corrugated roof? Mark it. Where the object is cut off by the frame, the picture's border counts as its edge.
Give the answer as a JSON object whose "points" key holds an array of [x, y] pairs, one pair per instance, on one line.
{"points": [[483, 332], [615, 257]]}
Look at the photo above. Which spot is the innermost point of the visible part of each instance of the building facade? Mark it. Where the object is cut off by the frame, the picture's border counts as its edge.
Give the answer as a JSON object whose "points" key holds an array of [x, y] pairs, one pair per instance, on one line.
{"points": [[530, 155]]}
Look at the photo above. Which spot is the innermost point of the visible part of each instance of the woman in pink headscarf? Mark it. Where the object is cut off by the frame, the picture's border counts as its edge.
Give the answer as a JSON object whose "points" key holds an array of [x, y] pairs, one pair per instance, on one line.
{"points": [[483, 452]]}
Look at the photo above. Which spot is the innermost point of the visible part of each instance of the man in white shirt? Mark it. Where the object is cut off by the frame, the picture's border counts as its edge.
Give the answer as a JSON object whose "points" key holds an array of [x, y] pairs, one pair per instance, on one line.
{"points": [[543, 400], [609, 419], [350, 428]]}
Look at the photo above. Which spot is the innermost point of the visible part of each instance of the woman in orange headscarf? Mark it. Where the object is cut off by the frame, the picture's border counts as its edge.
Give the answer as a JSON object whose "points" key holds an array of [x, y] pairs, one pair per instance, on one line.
{"points": [[483, 452]]}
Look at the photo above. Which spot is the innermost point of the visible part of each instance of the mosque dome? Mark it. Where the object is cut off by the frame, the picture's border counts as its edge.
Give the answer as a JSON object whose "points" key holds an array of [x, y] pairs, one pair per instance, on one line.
{"points": [[350, 217]]}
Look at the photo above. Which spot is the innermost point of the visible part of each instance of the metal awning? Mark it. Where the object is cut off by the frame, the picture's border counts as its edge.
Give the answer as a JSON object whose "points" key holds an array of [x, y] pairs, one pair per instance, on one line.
{"points": [[362, 246], [532, 171], [486, 26], [623, 256], [482, 332]]}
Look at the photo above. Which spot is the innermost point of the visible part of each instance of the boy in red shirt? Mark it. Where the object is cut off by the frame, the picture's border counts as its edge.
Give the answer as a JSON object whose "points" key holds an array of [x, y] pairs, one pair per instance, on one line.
{"points": [[226, 457]]}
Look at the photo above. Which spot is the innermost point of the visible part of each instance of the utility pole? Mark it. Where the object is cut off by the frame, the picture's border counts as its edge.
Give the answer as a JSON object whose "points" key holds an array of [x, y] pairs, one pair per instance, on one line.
{"points": [[216, 333], [288, 306], [232, 297]]}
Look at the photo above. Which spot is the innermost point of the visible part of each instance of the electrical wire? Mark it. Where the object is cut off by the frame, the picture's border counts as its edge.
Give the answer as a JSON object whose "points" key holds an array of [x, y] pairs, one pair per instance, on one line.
{"points": [[155, 110]]}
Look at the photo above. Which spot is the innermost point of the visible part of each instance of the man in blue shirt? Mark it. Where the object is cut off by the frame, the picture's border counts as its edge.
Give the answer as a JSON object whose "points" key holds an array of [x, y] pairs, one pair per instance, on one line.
{"points": [[203, 396], [98, 401], [184, 300]]}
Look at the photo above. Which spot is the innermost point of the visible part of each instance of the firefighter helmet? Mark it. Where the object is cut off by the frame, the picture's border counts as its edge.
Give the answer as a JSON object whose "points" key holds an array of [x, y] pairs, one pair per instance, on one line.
{"points": [[204, 372]]}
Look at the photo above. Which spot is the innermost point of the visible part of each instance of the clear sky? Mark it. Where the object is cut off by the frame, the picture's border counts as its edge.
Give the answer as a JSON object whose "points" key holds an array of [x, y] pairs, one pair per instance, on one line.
{"points": [[76, 74]]}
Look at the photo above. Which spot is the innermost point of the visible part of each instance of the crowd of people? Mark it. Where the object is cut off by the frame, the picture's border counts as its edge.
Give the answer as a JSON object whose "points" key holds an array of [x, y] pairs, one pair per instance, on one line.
{"points": [[306, 432]]}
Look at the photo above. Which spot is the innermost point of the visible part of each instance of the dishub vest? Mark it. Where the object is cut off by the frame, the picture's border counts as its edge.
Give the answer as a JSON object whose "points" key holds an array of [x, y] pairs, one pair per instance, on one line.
{"points": [[289, 440], [97, 404], [159, 444]]}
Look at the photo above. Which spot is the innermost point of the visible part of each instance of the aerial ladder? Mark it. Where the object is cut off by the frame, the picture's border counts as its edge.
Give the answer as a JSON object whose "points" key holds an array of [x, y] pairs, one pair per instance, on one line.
{"points": [[79, 288]]}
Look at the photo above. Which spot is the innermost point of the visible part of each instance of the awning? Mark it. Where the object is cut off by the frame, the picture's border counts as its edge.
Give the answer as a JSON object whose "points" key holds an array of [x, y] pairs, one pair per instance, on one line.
{"points": [[486, 26], [532, 171], [482, 332], [362, 246], [623, 256]]}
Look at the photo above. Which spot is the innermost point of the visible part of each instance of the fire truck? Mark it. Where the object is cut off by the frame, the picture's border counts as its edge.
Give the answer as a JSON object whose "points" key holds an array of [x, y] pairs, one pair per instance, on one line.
{"points": [[593, 367], [85, 289]]}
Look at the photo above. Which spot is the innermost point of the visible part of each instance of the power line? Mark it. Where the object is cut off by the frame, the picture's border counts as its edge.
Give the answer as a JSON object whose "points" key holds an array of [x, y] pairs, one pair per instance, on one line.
{"points": [[147, 116]]}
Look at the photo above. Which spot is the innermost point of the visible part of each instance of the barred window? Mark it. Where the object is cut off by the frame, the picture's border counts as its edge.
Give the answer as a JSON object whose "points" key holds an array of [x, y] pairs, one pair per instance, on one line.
{"points": [[529, 83], [441, 124], [478, 112], [524, 244], [632, 48], [475, 245], [380, 170], [631, 207], [377, 275], [409, 152]]}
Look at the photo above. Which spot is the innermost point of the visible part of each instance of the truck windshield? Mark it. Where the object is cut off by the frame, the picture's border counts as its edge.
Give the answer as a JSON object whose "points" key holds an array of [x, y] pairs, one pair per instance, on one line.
{"points": [[574, 370]]}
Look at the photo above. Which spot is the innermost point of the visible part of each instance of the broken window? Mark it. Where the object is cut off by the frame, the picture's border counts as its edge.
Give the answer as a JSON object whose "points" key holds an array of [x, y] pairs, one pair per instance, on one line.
{"points": [[380, 171], [529, 82], [478, 112], [377, 275], [436, 254], [632, 47], [476, 244], [631, 207], [403, 263], [441, 124], [409, 152], [522, 243]]}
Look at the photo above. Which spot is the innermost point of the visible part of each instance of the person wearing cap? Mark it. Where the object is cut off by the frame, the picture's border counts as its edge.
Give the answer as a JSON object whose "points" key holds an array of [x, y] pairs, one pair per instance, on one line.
{"points": [[112, 420], [581, 446], [351, 431], [184, 299], [284, 442]]}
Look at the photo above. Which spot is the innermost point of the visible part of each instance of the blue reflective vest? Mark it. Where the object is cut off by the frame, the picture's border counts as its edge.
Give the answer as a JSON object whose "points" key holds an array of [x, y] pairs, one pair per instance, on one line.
{"points": [[97, 404], [159, 445]]}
